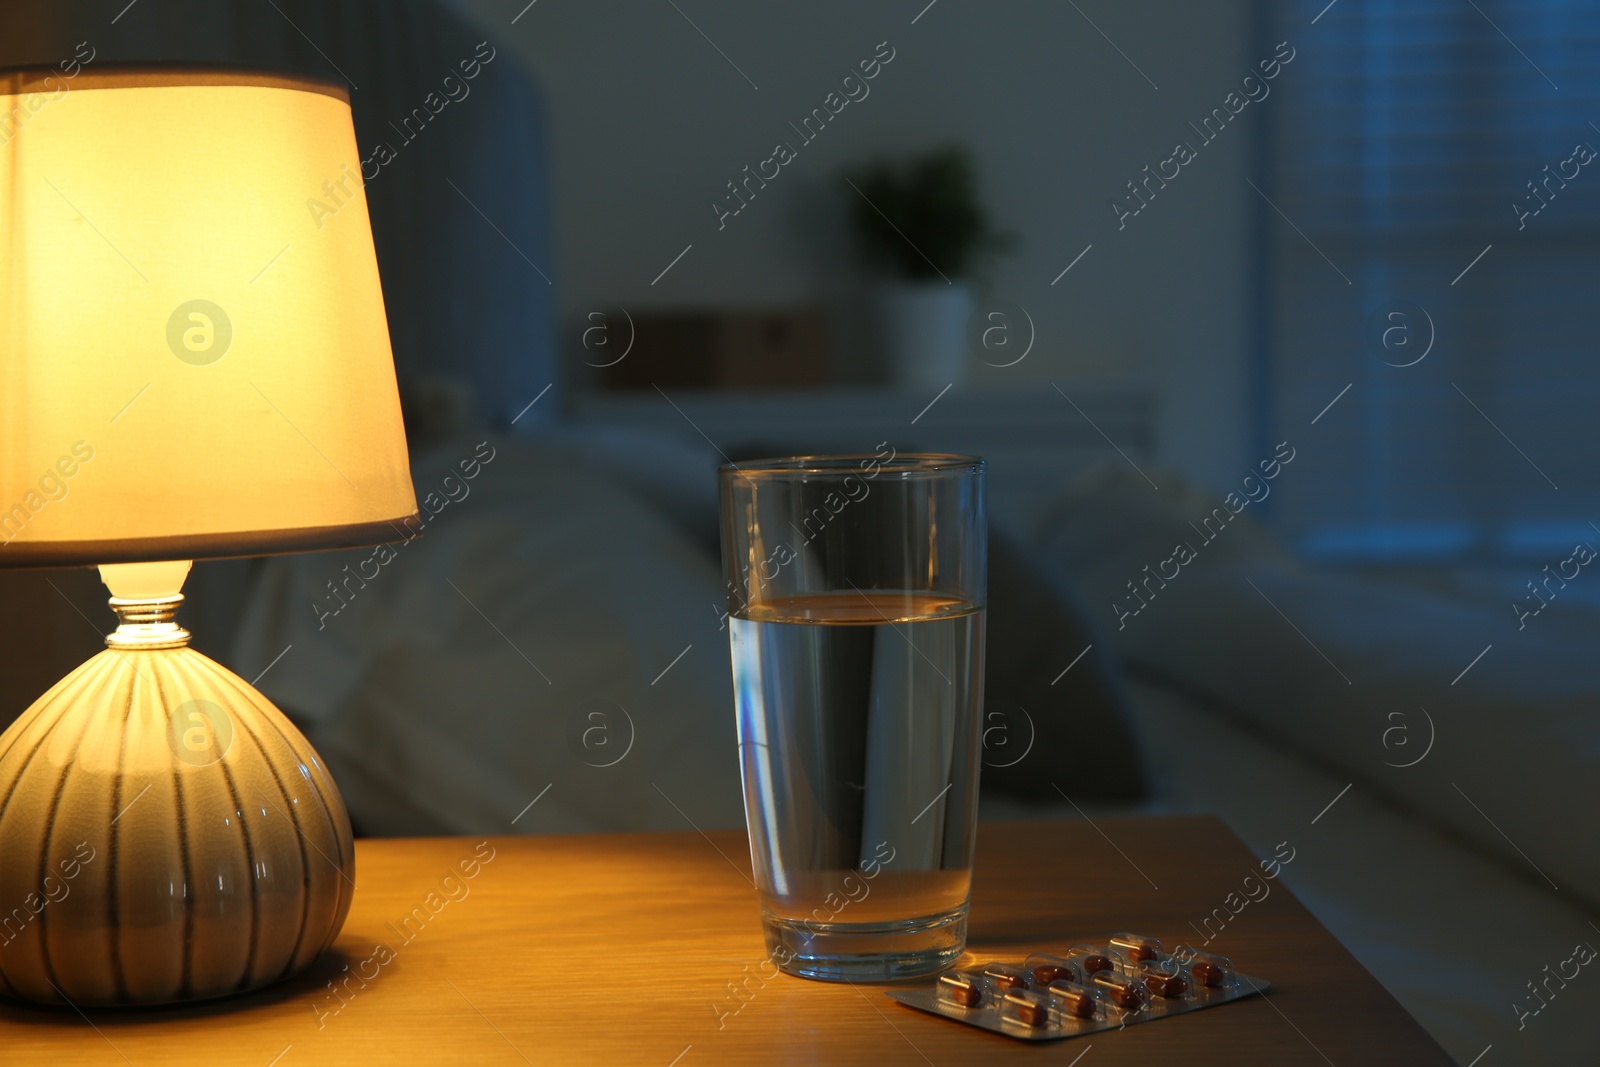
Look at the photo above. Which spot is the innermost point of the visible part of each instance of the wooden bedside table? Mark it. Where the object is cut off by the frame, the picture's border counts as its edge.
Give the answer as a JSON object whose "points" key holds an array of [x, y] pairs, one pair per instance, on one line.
{"points": [[645, 948]]}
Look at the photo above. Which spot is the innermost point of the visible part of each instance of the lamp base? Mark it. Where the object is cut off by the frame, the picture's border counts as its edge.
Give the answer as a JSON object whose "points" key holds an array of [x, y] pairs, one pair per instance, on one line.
{"points": [[166, 834]]}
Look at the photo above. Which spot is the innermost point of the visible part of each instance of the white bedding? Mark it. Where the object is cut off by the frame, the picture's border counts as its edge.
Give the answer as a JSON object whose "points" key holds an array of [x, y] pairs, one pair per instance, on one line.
{"points": [[1343, 669], [548, 629]]}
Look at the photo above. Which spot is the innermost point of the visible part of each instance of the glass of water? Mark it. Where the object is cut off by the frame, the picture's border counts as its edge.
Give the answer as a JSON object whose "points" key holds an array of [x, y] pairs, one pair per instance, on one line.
{"points": [[856, 589]]}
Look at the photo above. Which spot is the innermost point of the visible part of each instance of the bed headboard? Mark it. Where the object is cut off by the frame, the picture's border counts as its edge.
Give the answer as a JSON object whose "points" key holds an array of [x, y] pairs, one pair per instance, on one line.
{"points": [[460, 199], [1035, 438]]}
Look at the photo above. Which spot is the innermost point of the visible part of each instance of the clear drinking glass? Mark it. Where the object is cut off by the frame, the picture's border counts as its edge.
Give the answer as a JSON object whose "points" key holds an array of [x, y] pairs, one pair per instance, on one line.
{"points": [[856, 589]]}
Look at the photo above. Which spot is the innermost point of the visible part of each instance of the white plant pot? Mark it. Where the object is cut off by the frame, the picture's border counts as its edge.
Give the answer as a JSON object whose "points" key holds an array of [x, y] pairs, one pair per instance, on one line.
{"points": [[922, 329]]}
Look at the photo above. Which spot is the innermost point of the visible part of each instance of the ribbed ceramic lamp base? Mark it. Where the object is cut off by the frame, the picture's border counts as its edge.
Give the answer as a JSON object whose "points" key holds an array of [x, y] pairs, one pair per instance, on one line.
{"points": [[166, 835]]}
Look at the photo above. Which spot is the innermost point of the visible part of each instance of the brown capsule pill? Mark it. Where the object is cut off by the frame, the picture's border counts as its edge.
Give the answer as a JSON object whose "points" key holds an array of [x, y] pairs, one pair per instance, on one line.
{"points": [[1073, 1001], [962, 989], [1005, 976], [1207, 974], [1094, 964], [1028, 1008], [1138, 949], [1166, 985], [1045, 973], [1119, 990]]}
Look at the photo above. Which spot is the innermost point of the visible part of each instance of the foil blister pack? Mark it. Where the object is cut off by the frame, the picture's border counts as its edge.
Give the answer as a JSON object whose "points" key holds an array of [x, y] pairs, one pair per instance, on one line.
{"points": [[1127, 980]]}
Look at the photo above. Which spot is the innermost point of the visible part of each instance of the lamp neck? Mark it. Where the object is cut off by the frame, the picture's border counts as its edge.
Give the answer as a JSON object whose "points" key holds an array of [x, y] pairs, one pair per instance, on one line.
{"points": [[145, 597], [147, 624]]}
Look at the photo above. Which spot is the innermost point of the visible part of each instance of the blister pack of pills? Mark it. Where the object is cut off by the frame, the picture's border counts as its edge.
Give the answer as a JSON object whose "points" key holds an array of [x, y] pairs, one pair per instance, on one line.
{"points": [[1092, 987]]}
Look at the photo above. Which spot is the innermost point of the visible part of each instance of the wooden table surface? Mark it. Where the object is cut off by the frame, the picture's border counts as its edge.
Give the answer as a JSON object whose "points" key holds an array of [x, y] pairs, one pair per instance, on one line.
{"points": [[624, 949]]}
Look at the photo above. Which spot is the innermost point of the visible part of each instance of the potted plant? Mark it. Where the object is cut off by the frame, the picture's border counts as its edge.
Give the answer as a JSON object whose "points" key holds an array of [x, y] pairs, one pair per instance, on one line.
{"points": [[921, 225]]}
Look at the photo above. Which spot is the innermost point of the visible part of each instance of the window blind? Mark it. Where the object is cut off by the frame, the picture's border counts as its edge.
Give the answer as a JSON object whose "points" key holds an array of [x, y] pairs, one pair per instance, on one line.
{"points": [[1424, 185]]}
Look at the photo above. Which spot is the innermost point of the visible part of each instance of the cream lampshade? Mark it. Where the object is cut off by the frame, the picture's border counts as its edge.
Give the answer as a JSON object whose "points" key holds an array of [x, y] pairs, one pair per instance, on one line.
{"points": [[194, 362]]}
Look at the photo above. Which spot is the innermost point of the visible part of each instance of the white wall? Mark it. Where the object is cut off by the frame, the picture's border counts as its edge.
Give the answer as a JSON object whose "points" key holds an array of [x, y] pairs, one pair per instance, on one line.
{"points": [[648, 122]]}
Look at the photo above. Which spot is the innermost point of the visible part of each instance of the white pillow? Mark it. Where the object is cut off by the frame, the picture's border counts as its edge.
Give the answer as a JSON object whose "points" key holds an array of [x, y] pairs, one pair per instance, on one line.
{"points": [[1351, 671], [522, 642]]}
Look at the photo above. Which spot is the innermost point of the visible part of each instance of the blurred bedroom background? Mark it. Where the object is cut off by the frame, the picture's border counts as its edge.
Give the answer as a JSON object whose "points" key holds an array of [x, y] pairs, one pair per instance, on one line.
{"points": [[1273, 321]]}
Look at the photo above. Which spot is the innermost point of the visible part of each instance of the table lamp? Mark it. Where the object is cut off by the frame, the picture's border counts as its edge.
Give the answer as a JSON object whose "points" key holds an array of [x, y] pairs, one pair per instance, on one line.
{"points": [[194, 362]]}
